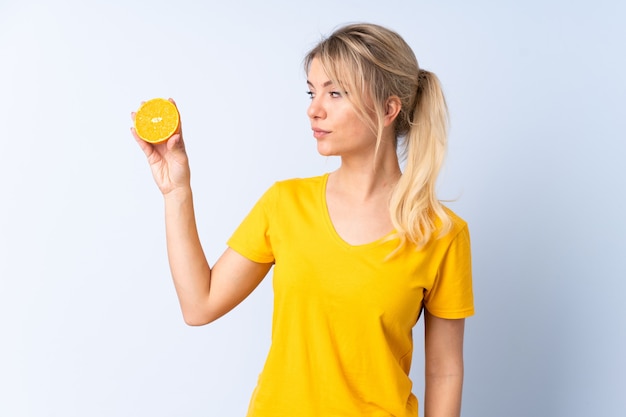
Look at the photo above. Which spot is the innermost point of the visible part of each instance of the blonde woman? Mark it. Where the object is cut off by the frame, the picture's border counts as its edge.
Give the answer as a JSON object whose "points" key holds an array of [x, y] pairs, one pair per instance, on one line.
{"points": [[358, 253]]}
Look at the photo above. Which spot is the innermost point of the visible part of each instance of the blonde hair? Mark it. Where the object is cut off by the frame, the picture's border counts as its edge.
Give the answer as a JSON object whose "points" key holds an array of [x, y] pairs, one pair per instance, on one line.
{"points": [[373, 64]]}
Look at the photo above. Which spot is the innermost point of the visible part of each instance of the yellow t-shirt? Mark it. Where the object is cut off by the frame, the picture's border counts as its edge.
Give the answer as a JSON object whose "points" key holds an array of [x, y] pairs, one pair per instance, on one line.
{"points": [[343, 314]]}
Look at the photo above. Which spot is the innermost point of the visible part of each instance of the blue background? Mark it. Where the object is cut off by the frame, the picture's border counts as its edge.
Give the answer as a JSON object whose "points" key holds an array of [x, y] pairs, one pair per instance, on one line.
{"points": [[89, 320]]}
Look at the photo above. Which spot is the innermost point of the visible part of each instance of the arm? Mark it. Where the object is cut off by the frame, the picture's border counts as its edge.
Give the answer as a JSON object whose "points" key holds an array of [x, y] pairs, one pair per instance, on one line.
{"points": [[444, 366], [204, 293]]}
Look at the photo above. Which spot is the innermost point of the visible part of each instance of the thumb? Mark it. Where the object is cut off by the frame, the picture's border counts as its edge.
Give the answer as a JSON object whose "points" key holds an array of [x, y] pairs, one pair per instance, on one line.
{"points": [[175, 144]]}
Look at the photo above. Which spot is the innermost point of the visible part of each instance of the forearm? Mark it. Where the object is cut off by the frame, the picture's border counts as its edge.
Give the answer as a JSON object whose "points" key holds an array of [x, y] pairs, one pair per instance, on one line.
{"points": [[443, 394], [190, 270]]}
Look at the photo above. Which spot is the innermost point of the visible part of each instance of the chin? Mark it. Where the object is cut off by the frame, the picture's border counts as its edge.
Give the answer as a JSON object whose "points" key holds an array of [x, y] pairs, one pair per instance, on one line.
{"points": [[325, 151]]}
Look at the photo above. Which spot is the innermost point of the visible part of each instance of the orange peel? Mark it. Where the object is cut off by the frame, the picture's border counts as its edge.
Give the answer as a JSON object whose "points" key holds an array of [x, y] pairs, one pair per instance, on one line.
{"points": [[156, 120]]}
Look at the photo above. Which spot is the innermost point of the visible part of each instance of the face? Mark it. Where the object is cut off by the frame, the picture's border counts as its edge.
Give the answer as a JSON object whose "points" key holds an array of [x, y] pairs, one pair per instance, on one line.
{"points": [[336, 126]]}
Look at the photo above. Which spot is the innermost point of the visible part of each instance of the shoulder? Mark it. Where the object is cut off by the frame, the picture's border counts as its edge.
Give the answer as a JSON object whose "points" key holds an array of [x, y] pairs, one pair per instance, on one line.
{"points": [[295, 190], [458, 223], [458, 227], [301, 183], [299, 187]]}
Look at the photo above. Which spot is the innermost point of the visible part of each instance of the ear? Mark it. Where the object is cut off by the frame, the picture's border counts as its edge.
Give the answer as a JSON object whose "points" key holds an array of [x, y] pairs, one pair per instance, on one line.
{"points": [[392, 109]]}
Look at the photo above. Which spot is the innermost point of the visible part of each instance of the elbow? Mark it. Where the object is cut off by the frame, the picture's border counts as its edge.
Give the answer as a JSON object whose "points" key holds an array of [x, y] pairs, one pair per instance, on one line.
{"points": [[195, 319], [448, 368], [194, 322]]}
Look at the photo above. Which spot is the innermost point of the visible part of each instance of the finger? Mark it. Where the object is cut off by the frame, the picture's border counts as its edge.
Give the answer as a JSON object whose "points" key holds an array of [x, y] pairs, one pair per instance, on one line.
{"points": [[135, 135], [175, 143], [146, 147], [133, 114]]}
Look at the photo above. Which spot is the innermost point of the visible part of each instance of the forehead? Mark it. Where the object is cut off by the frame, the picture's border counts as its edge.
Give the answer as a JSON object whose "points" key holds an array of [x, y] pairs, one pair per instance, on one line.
{"points": [[317, 75], [323, 74]]}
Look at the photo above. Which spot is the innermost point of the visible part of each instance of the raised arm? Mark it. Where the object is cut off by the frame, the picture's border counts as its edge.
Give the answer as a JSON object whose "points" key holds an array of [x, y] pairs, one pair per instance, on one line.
{"points": [[444, 366], [204, 293]]}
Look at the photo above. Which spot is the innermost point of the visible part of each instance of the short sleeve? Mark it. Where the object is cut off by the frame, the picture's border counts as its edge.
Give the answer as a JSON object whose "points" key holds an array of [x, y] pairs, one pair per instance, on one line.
{"points": [[252, 238], [451, 296]]}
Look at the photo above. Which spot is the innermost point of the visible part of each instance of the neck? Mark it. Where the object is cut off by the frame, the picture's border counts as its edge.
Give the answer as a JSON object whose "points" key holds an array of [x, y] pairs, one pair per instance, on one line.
{"points": [[364, 179]]}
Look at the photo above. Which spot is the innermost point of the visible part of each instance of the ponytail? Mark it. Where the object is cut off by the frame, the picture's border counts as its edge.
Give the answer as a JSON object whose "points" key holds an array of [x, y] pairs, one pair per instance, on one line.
{"points": [[415, 210]]}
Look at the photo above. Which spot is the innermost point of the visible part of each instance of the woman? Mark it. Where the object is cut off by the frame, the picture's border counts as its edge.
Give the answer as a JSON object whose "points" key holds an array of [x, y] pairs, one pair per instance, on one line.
{"points": [[357, 253]]}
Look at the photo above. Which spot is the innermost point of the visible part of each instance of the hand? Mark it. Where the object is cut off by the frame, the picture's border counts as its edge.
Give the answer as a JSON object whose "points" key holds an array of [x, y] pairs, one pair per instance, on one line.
{"points": [[168, 160]]}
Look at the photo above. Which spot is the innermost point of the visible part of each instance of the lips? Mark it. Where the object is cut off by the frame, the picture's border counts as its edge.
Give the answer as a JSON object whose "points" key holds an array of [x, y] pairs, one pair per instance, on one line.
{"points": [[319, 133]]}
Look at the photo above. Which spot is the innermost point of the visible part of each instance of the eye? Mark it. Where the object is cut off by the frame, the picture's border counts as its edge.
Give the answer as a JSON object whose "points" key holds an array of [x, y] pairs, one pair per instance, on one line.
{"points": [[311, 94], [335, 94]]}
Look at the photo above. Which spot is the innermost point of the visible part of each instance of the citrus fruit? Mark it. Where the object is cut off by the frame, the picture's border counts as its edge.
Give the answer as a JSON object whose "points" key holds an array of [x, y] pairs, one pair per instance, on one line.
{"points": [[156, 120]]}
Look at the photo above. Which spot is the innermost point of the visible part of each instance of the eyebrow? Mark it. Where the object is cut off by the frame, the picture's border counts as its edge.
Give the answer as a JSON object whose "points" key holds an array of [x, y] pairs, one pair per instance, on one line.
{"points": [[326, 84]]}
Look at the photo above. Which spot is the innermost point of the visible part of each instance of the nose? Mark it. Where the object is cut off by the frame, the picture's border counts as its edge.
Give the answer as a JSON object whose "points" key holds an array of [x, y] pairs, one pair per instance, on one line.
{"points": [[316, 109]]}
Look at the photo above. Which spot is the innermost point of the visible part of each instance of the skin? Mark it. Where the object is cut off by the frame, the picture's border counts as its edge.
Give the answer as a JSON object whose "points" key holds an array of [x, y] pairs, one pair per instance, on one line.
{"points": [[443, 353], [358, 192], [204, 293], [357, 197]]}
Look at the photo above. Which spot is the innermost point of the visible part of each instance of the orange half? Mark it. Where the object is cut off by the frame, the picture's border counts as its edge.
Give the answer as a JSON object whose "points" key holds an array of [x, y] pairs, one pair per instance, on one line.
{"points": [[156, 120]]}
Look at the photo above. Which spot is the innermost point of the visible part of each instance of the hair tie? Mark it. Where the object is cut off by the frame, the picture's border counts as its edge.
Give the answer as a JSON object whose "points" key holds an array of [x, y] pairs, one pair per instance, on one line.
{"points": [[422, 75]]}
